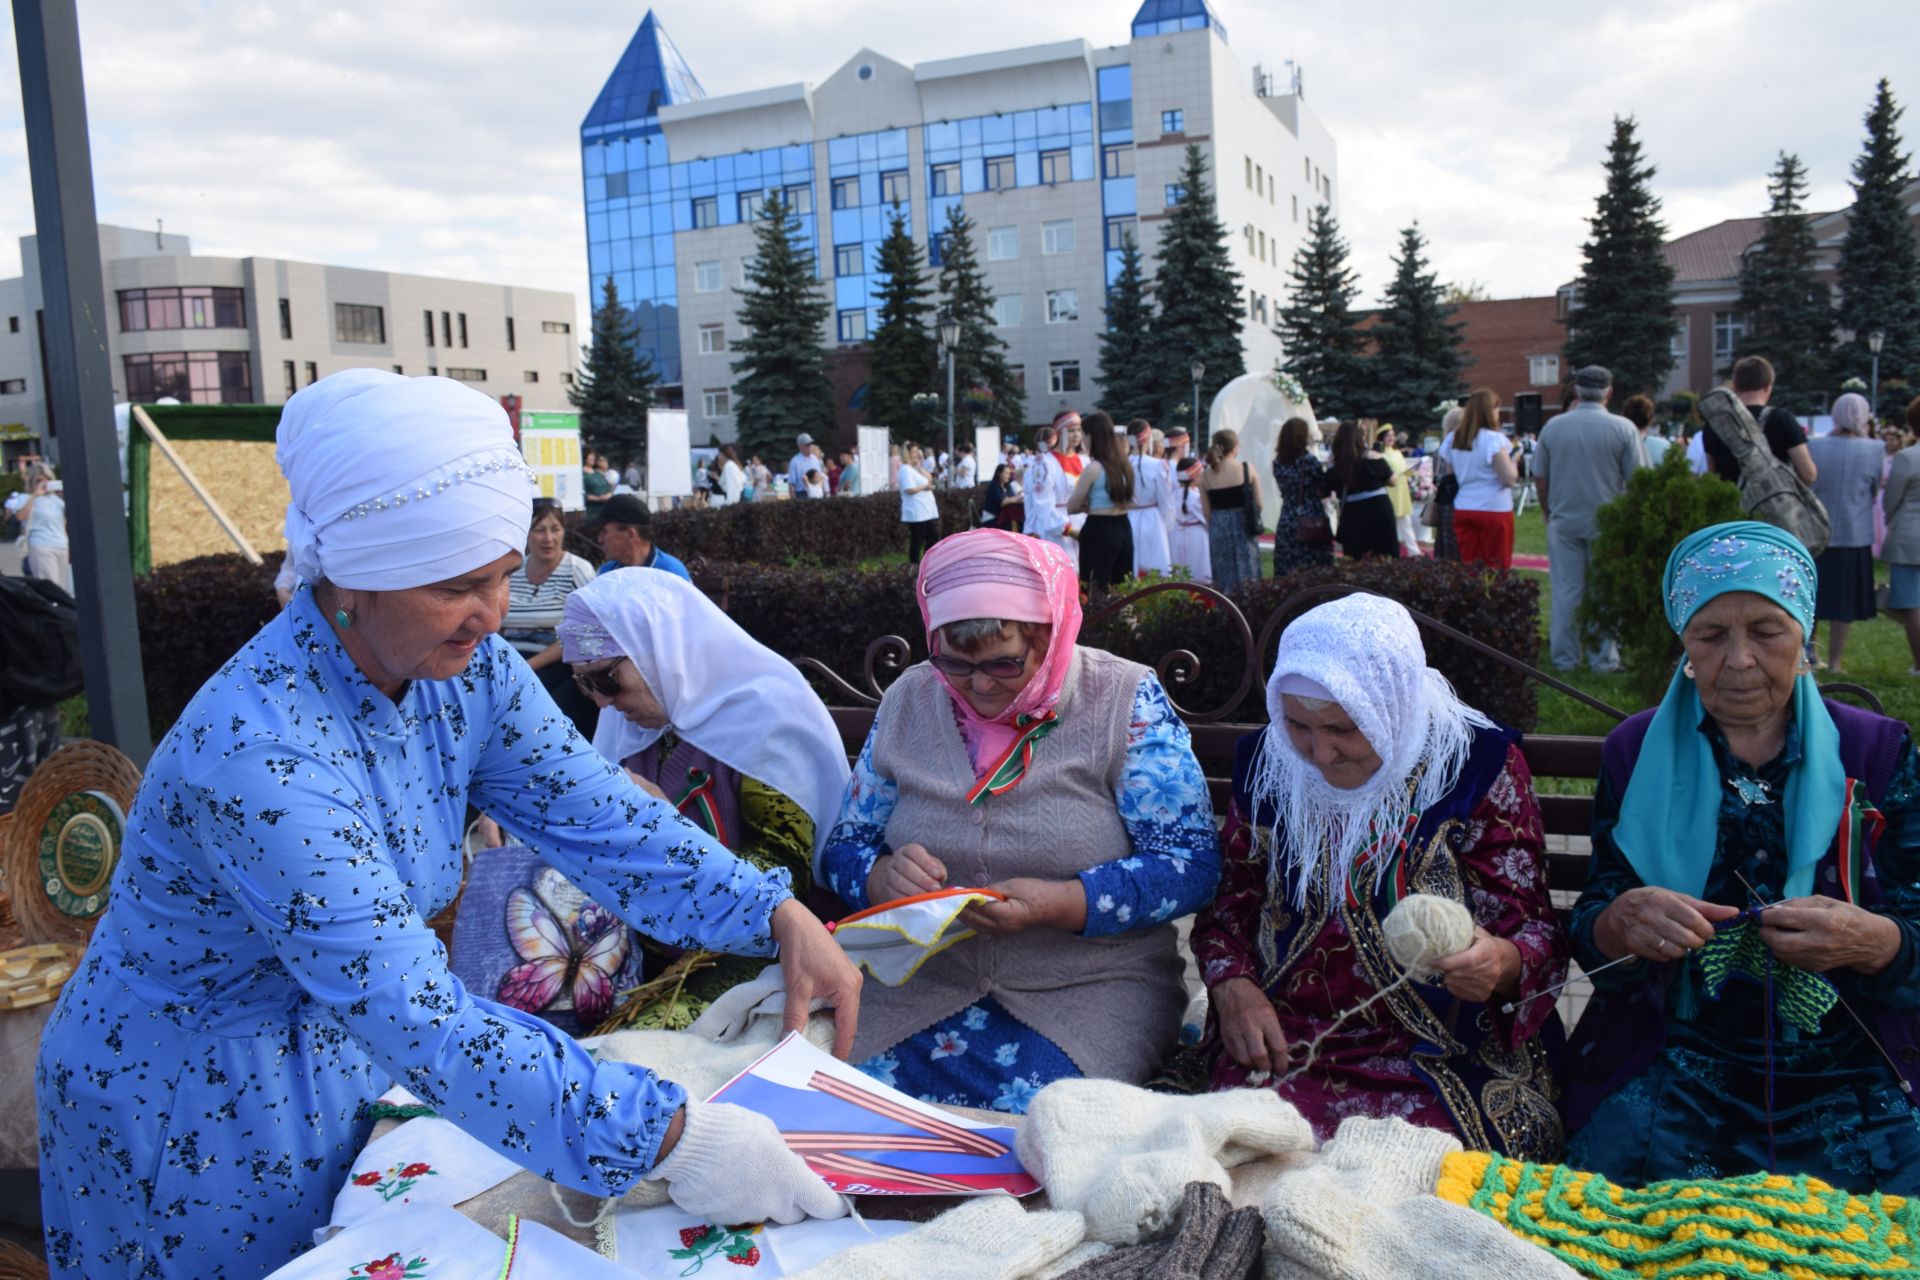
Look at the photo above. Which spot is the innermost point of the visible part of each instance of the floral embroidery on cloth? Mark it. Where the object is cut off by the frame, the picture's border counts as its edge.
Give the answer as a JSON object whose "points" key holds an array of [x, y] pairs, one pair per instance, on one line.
{"points": [[421, 1163]]}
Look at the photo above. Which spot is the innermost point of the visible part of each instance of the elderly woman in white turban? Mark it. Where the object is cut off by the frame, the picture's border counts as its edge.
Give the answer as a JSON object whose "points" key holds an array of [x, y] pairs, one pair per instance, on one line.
{"points": [[1372, 782], [263, 968]]}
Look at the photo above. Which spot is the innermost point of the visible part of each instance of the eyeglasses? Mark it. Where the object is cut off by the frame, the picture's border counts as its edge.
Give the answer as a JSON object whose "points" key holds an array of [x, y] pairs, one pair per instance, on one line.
{"points": [[603, 681], [994, 668]]}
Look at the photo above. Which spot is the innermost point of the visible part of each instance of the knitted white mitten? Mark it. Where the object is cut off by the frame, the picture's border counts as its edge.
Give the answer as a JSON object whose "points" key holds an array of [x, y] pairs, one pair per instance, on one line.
{"points": [[1367, 1209], [1123, 1157], [991, 1238]]}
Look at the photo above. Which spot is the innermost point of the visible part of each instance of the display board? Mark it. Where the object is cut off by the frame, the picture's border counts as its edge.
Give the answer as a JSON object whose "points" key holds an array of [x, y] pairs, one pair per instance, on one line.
{"points": [[550, 442], [669, 454], [873, 459], [986, 452]]}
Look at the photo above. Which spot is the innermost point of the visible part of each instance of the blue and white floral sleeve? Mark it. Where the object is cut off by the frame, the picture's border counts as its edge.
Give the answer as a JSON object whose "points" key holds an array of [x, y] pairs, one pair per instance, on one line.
{"points": [[859, 836], [1164, 806]]}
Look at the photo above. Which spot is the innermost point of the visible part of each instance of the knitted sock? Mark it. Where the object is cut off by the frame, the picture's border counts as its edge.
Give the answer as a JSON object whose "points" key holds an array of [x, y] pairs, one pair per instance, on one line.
{"points": [[1757, 1222], [1213, 1242], [1236, 1250], [991, 1238]]}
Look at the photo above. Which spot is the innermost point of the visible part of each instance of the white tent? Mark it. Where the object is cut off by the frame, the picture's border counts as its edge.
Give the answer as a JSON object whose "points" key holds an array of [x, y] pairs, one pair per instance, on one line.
{"points": [[1253, 408]]}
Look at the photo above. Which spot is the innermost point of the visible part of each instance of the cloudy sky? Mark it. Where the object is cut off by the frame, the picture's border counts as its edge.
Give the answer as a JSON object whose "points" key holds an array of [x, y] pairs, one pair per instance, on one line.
{"points": [[439, 136]]}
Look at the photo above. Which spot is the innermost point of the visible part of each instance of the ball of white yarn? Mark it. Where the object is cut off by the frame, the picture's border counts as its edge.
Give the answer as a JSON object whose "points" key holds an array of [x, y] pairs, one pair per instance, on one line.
{"points": [[1424, 928]]}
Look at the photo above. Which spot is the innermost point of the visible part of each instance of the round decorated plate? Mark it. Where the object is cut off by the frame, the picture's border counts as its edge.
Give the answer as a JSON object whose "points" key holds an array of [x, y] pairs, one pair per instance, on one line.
{"points": [[79, 846]]}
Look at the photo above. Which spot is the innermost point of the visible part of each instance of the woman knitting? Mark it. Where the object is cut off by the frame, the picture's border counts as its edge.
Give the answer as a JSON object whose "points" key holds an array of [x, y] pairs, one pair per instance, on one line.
{"points": [[1060, 776], [1372, 782], [1756, 866], [264, 969]]}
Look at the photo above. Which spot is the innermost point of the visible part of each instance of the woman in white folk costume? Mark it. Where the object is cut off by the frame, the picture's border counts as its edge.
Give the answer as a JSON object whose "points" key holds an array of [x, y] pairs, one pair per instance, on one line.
{"points": [[1374, 782], [1188, 544], [264, 969], [1152, 481]]}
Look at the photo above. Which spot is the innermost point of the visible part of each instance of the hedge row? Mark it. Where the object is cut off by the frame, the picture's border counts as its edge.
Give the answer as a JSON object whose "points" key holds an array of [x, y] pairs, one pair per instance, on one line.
{"points": [[194, 615], [800, 531]]}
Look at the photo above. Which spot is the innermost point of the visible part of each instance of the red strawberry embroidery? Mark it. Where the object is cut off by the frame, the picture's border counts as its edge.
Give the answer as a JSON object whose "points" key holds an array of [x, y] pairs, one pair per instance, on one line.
{"points": [[689, 1234], [751, 1258]]}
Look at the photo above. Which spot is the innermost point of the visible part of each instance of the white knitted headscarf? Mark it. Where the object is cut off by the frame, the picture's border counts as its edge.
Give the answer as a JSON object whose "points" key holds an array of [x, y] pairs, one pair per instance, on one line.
{"points": [[399, 482], [1364, 653]]}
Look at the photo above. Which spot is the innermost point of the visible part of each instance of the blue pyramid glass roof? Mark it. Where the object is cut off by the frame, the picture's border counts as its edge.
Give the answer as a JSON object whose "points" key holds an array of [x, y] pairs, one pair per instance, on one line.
{"points": [[1158, 16], [650, 74]]}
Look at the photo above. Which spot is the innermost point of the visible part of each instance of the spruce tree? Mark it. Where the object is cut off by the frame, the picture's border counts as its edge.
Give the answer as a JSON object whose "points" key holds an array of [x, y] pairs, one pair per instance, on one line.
{"points": [[781, 387], [1417, 359], [1316, 327], [615, 385], [1197, 292], [1126, 344], [1622, 315], [980, 359], [1788, 313], [904, 352], [1879, 267]]}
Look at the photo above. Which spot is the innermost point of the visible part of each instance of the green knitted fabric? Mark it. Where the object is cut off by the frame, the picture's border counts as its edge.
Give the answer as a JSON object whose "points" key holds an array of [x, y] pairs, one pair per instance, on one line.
{"points": [[1767, 1224], [1802, 998]]}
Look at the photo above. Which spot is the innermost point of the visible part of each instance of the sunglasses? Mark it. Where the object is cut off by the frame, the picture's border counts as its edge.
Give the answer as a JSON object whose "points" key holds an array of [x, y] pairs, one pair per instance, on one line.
{"points": [[603, 682], [994, 668]]}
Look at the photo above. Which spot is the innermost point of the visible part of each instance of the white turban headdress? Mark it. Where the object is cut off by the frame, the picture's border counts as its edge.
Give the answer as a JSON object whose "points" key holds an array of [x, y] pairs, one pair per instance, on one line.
{"points": [[399, 482]]}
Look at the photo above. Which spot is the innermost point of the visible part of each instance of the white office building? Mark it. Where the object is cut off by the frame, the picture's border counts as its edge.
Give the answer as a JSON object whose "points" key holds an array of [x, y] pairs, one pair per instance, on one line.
{"points": [[1056, 152]]}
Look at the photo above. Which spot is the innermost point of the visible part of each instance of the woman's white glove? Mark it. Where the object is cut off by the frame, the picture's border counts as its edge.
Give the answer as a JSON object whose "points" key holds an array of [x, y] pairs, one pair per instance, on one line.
{"points": [[732, 1165]]}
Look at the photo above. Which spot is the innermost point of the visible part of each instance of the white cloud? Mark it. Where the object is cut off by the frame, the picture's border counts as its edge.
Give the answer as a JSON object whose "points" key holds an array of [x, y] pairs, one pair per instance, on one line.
{"points": [[439, 136]]}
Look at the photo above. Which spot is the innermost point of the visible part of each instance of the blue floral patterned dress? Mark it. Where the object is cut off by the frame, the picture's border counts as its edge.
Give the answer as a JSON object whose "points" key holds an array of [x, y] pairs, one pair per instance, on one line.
{"points": [[983, 1056], [264, 968]]}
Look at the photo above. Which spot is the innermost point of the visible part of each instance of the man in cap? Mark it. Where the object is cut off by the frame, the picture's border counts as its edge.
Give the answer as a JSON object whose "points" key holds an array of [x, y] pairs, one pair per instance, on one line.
{"points": [[1583, 461], [802, 462], [626, 535]]}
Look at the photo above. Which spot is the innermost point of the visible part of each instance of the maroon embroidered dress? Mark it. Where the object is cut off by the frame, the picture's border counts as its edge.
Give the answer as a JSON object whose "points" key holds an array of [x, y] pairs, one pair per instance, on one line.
{"points": [[1417, 1054]]}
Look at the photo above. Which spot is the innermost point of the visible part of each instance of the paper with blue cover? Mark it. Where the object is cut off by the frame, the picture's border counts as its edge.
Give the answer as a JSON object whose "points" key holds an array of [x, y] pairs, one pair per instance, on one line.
{"points": [[866, 1139], [893, 939]]}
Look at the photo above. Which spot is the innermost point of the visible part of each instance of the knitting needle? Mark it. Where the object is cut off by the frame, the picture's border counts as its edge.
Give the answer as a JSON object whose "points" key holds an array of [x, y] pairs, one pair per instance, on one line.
{"points": [[1512, 1005]]}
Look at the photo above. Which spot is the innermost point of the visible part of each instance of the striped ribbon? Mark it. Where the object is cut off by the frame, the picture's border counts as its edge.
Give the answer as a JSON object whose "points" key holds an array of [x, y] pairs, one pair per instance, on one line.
{"points": [[696, 803], [1392, 880], [1859, 823], [1005, 773]]}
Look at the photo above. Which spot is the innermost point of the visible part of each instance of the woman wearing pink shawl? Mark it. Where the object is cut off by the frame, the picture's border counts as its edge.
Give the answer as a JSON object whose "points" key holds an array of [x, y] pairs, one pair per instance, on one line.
{"points": [[1059, 776]]}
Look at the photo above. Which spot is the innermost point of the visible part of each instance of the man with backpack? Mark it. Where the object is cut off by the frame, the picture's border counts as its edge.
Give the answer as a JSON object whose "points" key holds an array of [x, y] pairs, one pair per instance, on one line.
{"points": [[1582, 462], [1753, 386], [1766, 459]]}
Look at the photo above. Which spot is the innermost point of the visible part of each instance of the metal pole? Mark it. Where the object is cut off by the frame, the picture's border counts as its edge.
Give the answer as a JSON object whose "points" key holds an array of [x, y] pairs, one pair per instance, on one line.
{"points": [[1874, 408], [951, 461], [80, 386], [1199, 434]]}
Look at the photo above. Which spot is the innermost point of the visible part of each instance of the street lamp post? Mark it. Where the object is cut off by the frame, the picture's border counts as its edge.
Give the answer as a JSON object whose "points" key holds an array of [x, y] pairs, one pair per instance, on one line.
{"points": [[949, 339], [1876, 340], [1199, 371]]}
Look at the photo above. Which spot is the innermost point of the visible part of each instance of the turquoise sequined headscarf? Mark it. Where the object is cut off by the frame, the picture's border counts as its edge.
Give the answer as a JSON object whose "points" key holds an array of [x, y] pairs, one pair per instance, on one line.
{"points": [[1669, 817]]}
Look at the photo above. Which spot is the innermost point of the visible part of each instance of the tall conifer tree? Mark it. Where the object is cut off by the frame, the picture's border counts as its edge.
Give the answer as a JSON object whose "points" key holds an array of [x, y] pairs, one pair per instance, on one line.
{"points": [[1788, 313], [781, 386], [1417, 359], [1197, 293], [616, 383], [1879, 266], [1622, 317], [1126, 344], [1316, 327], [904, 351], [980, 359]]}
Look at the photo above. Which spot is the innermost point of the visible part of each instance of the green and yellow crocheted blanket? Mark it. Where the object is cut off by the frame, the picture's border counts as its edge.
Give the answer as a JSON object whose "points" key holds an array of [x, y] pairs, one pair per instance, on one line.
{"points": [[1759, 1224]]}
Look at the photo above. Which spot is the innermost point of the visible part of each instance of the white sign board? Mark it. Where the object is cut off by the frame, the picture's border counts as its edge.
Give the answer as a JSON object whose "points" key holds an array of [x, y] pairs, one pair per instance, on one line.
{"points": [[550, 442], [986, 452], [873, 460], [669, 454]]}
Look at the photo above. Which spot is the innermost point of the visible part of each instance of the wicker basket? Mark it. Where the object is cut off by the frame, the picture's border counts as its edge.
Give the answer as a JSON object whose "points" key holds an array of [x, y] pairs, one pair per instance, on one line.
{"points": [[17, 1262], [76, 767]]}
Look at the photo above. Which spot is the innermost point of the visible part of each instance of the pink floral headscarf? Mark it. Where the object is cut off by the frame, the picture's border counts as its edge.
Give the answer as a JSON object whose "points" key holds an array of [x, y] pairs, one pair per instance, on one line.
{"points": [[995, 573]]}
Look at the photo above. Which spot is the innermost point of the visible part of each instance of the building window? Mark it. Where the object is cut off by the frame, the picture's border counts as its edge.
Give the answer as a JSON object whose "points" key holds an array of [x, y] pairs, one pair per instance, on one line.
{"points": [[286, 320], [944, 180], [799, 199], [1003, 244], [1176, 194], [467, 375], [313, 373], [555, 326], [846, 193], [893, 188], [1249, 233], [849, 260], [1296, 208], [446, 328], [566, 379], [1019, 372], [1306, 166], [353, 322], [1056, 167], [1728, 328], [617, 186], [706, 212], [182, 308], [1118, 229], [718, 401], [429, 319], [1677, 344], [706, 277], [936, 248], [1008, 311], [293, 382], [1063, 306], [1249, 173], [1174, 121], [13, 387], [1543, 371], [1262, 254], [398, 370], [1000, 173], [753, 205], [1116, 162], [1259, 178], [532, 375], [853, 325], [463, 328], [1063, 376], [433, 371], [713, 339], [1056, 237]]}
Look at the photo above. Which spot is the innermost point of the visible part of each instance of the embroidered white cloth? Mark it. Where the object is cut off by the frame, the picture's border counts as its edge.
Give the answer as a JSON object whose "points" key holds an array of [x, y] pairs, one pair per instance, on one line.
{"points": [[893, 939], [538, 1252], [665, 1243], [422, 1162], [399, 482], [434, 1243], [1364, 653]]}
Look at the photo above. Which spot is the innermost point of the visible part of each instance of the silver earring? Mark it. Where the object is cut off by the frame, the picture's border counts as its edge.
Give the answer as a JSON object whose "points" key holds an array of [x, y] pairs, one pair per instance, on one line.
{"points": [[1687, 670]]}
